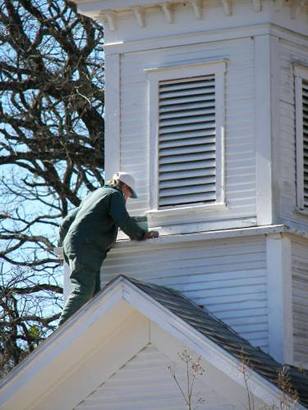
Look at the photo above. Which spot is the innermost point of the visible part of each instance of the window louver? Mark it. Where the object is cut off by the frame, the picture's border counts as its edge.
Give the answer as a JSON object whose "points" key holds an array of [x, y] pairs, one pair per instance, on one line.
{"points": [[305, 139], [187, 141]]}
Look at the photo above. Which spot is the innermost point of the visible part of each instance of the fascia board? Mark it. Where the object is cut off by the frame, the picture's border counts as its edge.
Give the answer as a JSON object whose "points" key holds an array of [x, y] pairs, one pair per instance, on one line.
{"points": [[102, 5], [203, 236], [85, 5], [205, 37], [178, 239], [203, 346]]}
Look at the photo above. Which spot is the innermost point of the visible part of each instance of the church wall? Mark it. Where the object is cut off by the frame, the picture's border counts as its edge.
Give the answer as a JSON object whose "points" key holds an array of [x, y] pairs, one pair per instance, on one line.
{"points": [[228, 276], [239, 161], [146, 382], [236, 279]]}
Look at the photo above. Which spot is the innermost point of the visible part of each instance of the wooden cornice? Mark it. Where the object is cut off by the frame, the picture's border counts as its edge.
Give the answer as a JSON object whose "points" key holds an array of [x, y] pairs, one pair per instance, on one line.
{"points": [[107, 10]]}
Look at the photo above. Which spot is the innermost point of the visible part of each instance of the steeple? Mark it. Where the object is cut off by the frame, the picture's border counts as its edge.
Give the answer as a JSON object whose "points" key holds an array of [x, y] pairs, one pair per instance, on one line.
{"points": [[206, 105]]}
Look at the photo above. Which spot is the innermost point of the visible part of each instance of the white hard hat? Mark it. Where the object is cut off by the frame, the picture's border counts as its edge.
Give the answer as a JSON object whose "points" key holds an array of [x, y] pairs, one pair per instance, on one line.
{"points": [[128, 180]]}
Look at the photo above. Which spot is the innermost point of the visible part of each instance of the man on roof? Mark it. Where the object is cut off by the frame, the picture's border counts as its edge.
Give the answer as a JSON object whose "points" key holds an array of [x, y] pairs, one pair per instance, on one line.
{"points": [[88, 233]]}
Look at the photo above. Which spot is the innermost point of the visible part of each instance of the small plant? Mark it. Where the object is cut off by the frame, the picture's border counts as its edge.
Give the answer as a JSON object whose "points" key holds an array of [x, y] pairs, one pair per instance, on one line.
{"points": [[245, 370], [194, 370], [289, 396]]}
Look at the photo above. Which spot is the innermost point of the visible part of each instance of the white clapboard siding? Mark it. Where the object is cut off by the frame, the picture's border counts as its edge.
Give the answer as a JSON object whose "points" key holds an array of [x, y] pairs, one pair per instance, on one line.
{"points": [[305, 139], [300, 301], [240, 157], [142, 383], [227, 277], [146, 383], [187, 143]]}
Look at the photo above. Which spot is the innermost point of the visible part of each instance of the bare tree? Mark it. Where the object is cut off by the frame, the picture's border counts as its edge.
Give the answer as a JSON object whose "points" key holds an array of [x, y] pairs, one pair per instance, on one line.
{"points": [[51, 153]]}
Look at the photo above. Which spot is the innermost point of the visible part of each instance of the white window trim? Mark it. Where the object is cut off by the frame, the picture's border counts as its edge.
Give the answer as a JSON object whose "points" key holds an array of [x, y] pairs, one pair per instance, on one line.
{"points": [[300, 73], [171, 72]]}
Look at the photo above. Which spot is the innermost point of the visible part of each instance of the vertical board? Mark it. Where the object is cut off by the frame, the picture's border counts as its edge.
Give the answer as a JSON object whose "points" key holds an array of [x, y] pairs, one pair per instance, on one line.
{"points": [[112, 115], [263, 127], [280, 312], [228, 277]]}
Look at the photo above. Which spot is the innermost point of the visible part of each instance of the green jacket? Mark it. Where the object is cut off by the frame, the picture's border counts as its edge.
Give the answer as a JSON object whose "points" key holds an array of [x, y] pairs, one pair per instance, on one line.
{"points": [[95, 222]]}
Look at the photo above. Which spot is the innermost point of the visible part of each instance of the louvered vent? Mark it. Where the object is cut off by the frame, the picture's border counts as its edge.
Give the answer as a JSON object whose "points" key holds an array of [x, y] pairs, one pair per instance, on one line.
{"points": [[305, 139], [187, 141]]}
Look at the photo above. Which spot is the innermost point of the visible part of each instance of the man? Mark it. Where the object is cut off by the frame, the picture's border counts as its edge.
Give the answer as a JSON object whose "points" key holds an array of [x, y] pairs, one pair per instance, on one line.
{"points": [[88, 233]]}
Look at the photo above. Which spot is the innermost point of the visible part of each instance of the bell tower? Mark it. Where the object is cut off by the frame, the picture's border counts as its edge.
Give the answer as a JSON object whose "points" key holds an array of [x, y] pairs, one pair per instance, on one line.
{"points": [[207, 106]]}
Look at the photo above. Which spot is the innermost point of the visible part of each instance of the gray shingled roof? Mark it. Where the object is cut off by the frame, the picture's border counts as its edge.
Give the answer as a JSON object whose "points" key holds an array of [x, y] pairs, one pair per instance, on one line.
{"points": [[225, 337]]}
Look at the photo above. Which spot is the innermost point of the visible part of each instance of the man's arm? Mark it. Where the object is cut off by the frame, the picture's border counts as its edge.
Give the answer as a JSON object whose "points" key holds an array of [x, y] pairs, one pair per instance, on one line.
{"points": [[121, 217]]}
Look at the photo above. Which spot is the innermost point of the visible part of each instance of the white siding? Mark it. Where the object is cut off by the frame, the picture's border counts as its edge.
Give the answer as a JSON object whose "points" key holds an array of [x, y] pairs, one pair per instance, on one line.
{"points": [[285, 152], [300, 301], [239, 134], [228, 277], [305, 137], [145, 383]]}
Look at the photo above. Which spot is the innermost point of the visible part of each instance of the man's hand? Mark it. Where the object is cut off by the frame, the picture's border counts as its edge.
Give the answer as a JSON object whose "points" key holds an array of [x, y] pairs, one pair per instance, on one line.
{"points": [[151, 235]]}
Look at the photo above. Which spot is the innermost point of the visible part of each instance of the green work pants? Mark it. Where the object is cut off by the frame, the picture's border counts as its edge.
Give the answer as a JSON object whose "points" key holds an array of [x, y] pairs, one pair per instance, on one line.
{"points": [[85, 279]]}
